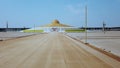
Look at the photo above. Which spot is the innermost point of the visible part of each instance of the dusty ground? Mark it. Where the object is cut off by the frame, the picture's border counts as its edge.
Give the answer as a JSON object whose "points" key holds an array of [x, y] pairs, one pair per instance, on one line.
{"points": [[110, 41], [11, 35], [53, 50]]}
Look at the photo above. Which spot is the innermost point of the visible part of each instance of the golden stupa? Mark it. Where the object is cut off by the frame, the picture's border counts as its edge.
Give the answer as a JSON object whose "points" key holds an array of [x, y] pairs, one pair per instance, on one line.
{"points": [[56, 23]]}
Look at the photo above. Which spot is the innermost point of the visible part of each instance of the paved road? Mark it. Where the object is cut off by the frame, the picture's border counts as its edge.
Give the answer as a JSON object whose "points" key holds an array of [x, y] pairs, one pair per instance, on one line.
{"points": [[53, 50]]}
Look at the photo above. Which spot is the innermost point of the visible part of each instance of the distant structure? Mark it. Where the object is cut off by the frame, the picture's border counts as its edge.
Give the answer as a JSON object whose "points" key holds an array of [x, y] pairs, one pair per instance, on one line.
{"points": [[8, 29], [104, 26], [101, 28], [54, 26], [12, 29], [56, 23], [7, 24]]}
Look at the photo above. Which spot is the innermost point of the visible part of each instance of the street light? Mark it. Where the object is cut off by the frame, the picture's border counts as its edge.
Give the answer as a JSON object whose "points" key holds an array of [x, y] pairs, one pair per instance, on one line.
{"points": [[86, 24], [104, 27], [7, 26]]}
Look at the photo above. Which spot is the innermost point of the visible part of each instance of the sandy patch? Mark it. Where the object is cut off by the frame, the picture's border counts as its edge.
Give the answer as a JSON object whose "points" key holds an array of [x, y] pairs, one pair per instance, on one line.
{"points": [[108, 41]]}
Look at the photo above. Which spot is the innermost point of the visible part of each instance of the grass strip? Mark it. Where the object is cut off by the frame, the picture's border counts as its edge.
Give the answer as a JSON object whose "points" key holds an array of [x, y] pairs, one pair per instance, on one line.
{"points": [[75, 30], [30, 31]]}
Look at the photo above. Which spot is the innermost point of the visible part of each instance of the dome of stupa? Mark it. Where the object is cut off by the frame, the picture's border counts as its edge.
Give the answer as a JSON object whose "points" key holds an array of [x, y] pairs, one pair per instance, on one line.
{"points": [[55, 22]]}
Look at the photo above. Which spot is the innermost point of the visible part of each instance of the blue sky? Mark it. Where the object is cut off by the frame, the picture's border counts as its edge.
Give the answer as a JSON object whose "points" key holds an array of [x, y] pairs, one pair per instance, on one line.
{"points": [[26, 13]]}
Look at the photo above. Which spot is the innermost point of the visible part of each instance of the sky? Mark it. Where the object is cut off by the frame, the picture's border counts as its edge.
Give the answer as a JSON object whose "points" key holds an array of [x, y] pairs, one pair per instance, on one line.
{"points": [[27, 13]]}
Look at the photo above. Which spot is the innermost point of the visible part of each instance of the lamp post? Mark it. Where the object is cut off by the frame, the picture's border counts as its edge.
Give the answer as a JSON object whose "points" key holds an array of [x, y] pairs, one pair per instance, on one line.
{"points": [[86, 24], [6, 26], [104, 27]]}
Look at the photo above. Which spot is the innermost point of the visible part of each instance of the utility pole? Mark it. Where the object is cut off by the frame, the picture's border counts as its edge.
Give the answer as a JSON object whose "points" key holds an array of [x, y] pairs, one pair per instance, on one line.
{"points": [[7, 26], [104, 27], [86, 24]]}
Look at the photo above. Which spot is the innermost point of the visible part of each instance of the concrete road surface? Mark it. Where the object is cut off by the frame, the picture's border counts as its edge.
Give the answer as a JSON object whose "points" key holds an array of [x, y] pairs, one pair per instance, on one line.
{"points": [[53, 50]]}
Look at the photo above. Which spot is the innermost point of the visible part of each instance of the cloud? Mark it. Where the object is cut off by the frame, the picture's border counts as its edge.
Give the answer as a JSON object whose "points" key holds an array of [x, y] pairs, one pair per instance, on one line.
{"points": [[73, 9], [76, 9]]}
